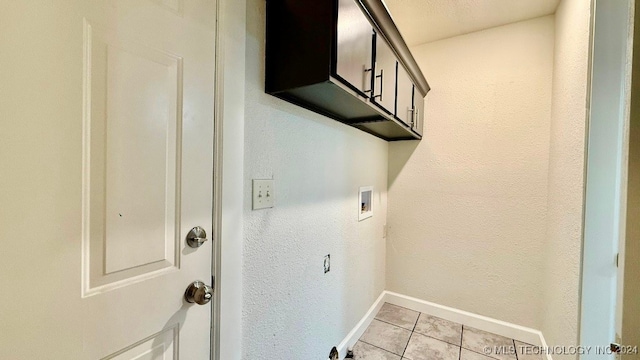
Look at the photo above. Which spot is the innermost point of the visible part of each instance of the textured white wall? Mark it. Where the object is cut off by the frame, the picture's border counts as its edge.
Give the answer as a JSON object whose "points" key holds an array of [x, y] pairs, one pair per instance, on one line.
{"points": [[424, 21], [291, 309], [566, 173], [467, 204]]}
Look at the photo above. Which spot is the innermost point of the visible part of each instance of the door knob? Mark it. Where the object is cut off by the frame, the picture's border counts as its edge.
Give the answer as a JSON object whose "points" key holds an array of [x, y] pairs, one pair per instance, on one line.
{"points": [[196, 237], [199, 293]]}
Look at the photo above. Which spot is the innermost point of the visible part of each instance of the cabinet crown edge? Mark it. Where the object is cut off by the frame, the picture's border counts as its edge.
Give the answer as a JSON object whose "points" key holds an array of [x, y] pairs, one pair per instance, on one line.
{"points": [[381, 18]]}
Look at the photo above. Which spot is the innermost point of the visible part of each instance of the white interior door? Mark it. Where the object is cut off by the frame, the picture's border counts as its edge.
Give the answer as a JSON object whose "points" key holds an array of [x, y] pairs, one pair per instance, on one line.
{"points": [[106, 163]]}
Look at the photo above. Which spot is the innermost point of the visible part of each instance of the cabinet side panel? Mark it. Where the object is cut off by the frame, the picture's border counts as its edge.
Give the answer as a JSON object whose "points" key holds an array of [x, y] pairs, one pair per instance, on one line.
{"points": [[299, 39], [418, 104]]}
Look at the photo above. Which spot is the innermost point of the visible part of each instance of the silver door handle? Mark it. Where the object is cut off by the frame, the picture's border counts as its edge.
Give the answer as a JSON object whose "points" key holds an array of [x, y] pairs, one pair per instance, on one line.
{"points": [[364, 78], [196, 237], [199, 293], [413, 116], [381, 77]]}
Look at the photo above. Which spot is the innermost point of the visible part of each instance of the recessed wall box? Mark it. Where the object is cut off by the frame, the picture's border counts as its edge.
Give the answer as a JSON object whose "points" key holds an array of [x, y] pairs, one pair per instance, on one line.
{"points": [[365, 205]]}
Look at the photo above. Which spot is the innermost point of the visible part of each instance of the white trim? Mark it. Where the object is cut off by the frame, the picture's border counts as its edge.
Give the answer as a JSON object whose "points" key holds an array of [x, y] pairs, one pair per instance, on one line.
{"points": [[604, 202], [513, 331], [230, 97], [360, 327]]}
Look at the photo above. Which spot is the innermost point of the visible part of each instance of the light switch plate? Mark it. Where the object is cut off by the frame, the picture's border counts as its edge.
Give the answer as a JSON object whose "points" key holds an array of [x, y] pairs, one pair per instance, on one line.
{"points": [[263, 194]]}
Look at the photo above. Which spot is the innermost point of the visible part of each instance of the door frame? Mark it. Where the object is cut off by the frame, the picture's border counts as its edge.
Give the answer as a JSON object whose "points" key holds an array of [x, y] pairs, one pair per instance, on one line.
{"points": [[228, 180], [605, 191], [629, 292]]}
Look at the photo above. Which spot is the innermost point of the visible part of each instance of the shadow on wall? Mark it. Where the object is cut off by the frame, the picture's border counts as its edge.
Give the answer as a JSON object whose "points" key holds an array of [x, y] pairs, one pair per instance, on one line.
{"points": [[316, 159], [256, 35], [400, 152], [290, 305]]}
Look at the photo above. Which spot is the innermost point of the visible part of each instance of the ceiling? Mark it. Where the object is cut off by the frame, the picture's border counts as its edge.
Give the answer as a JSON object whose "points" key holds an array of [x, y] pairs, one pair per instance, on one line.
{"points": [[422, 21]]}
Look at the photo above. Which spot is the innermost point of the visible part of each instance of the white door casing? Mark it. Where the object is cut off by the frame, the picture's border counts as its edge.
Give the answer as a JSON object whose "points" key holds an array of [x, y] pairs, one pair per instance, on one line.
{"points": [[106, 116], [605, 175]]}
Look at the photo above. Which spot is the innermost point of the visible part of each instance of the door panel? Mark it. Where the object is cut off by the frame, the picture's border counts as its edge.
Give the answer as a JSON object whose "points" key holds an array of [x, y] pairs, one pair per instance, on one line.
{"points": [[404, 110], [135, 120], [384, 85], [109, 160], [355, 46], [160, 346]]}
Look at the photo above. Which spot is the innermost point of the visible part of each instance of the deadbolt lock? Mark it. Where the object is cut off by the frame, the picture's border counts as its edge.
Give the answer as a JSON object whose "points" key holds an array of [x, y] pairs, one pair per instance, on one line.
{"points": [[196, 237]]}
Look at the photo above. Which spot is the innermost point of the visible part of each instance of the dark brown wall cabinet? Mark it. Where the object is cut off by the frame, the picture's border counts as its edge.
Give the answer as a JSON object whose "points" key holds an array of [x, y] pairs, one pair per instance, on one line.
{"points": [[345, 59]]}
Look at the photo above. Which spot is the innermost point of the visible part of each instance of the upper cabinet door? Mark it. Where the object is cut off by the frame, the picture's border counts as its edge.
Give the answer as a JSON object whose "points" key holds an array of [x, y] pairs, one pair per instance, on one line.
{"points": [[384, 84], [418, 102], [355, 46], [404, 109]]}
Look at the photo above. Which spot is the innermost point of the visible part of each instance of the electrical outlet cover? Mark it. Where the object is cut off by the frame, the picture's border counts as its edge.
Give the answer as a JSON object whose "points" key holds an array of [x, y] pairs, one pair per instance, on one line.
{"points": [[263, 194]]}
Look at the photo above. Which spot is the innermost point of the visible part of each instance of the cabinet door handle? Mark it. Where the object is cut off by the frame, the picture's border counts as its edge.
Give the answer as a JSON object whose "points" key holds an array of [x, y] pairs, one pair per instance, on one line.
{"points": [[364, 79], [413, 116], [381, 77], [417, 114]]}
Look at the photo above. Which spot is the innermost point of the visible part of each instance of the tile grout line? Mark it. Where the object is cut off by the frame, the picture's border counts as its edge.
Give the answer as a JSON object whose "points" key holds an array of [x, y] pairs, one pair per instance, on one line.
{"points": [[399, 327], [402, 307], [378, 347], [386, 322], [410, 336], [434, 338], [460, 350], [419, 333], [413, 331], [477, 352]]}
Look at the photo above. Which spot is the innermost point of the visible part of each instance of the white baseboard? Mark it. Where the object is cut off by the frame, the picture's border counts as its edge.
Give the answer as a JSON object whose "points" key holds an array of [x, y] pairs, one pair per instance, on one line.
{"points": [[513, 331], [355, 334]]}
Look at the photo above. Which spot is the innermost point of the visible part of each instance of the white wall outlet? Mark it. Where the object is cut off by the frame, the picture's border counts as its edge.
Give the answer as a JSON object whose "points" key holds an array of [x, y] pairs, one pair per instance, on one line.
{"points": [[263, 194], [327, 263]]}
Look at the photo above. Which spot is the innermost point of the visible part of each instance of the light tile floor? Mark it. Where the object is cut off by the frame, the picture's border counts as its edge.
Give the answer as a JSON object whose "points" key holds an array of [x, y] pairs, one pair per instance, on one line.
{"points": [[399, 333]]}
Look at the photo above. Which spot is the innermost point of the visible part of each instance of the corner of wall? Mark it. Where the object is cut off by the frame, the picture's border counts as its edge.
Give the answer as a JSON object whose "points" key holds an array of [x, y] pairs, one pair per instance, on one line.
{"points": [[475, 188], [565, 187]]}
